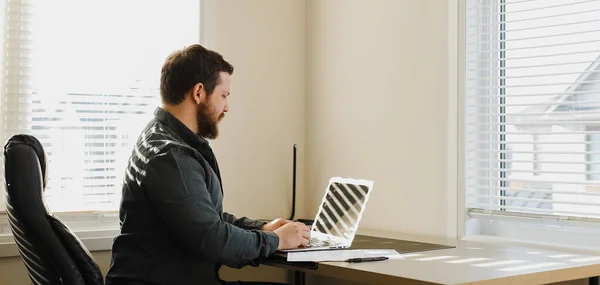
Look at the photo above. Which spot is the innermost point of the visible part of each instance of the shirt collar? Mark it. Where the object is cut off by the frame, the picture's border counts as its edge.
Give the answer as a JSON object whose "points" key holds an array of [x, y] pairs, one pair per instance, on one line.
{"points": [[180, 129]]}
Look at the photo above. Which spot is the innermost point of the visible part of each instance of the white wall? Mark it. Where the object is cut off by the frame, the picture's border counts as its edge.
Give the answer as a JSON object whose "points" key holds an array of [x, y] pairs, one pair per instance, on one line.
{"points": [[377, 108], [265, 42]]}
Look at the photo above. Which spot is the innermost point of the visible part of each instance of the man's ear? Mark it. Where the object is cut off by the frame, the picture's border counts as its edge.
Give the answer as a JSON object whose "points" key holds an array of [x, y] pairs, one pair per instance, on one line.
{"points": [[198, 93]]}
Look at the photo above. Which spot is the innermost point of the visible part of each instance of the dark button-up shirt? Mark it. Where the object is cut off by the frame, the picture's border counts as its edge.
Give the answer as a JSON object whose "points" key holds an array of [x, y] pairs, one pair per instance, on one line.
{"points": [[173, 227]]}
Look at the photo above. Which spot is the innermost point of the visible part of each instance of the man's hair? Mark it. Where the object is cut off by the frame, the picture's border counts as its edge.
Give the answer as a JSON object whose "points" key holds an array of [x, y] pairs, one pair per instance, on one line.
{"points": [[185, 68]]}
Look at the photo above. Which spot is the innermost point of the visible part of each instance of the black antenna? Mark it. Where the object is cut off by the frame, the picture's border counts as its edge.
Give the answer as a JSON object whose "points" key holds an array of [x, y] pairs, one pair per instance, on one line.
{"points": [[305, 221], [294, 186]]}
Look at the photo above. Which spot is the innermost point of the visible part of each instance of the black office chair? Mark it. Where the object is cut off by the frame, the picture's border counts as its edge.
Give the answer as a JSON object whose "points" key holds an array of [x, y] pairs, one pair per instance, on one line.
{"points": [[51, 252]]}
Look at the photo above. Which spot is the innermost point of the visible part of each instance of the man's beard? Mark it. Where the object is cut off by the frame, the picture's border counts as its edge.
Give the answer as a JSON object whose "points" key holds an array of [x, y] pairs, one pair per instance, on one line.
{"points": [[208, 122]]}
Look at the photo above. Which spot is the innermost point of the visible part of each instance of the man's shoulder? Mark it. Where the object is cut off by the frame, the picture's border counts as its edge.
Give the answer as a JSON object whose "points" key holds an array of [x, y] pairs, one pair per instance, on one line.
{"points": [[157, 140], [155, 144]]}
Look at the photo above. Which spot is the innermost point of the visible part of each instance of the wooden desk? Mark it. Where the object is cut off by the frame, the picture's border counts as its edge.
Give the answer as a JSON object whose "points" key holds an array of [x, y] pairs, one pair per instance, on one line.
{"points": [[473, 263]]}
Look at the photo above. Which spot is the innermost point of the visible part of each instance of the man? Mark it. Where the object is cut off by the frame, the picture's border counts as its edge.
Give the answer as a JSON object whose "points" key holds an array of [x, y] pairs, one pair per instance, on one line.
{"points": [[173, 228]]}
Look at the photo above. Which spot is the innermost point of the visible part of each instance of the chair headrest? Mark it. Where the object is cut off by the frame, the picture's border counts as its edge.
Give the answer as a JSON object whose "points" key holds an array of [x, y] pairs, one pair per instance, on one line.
{"points": [[34, 143]]}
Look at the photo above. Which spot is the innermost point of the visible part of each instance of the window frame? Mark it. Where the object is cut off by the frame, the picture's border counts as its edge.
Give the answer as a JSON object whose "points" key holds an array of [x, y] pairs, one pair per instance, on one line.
{"points": [[492, 227], [97, 229]]}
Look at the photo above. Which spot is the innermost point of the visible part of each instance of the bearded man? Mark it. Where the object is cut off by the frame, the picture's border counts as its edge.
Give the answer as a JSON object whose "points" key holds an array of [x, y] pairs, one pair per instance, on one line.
{"points": [[173, 227]]}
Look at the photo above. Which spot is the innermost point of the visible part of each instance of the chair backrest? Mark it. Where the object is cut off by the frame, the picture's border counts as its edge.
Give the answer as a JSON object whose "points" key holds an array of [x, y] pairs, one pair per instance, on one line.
{"points": [[51, 252]]}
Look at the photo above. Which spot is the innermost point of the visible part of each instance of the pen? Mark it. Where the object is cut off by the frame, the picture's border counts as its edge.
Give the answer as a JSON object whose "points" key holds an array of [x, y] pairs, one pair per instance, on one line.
{"points": [[367, 259]]}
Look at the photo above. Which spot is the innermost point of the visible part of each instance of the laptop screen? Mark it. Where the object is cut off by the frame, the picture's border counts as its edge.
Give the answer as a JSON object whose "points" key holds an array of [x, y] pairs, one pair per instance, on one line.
{"points": [[342, 207]]}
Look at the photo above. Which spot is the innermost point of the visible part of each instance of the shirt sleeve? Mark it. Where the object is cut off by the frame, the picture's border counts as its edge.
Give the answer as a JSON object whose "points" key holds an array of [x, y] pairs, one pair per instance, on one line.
{"points": [[175, 184], [243, 222]]}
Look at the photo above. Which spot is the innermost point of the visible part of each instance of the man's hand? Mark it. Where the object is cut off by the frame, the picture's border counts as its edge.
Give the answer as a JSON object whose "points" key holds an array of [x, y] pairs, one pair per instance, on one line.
{"points": [[293, 235], [275, 224]]}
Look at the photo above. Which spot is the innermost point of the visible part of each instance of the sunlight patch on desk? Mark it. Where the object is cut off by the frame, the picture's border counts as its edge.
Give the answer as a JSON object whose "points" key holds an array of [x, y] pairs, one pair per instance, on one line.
{"points": [[396, 257], [561, 255], [433, 258], [468, 260], [498, 263], [535, 252], [586, 259], [508, 250], [531, 266], [405, 255]]}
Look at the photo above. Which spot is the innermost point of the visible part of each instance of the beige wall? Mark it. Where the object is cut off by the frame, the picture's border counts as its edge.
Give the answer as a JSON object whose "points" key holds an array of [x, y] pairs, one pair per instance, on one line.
{"points": [[264, 40], [377, 99], [13, 272]]}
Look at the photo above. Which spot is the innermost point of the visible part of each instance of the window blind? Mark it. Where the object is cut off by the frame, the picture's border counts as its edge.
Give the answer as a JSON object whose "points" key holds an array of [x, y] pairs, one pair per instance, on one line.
{"points": [[532, 108], [83, 77]]}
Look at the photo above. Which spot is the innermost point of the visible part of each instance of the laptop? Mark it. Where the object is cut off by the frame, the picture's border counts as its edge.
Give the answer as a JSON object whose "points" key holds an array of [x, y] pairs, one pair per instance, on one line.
{"points": [[341, 210]]}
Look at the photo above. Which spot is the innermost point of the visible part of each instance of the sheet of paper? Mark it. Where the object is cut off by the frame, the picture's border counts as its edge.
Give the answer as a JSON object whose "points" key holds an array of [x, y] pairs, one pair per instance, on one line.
{"points": [[340, 255]]}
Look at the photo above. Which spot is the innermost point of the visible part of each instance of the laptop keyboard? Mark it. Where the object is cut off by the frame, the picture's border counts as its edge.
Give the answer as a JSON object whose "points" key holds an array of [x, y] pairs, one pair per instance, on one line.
{"points": [[314, 242]]}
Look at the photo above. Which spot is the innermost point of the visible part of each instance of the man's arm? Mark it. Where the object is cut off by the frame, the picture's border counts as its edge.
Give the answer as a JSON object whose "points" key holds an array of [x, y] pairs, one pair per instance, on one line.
{"points": [[243, 222], [176, 184]]}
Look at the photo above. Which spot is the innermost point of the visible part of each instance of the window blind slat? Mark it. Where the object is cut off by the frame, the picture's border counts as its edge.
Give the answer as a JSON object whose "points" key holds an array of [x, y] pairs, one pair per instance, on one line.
{"points": [[533, 19], [524, 66], [539, 191], [593, 51], [531, 180], [535, 75], [547, 7], [499, 161], [538, 143], [534, 85], [542, 37], [554, 25], [525, 95], [549, 200], [495, 152], [514, 170], [575, 44], [491, 214], [526, 209], [483, 6], [540, 123], [532, 133]]}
